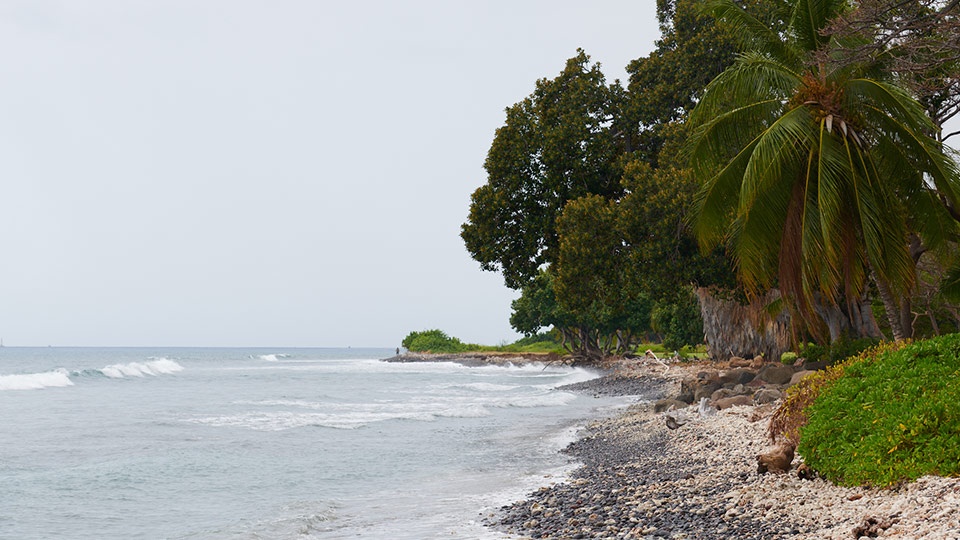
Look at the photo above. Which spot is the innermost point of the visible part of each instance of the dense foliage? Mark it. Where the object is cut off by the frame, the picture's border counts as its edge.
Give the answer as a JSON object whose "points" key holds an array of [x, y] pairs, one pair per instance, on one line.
{"points": [[773, 138], [834, 352], [817, 174], [792, 414], [891, 417], [556, 145], [435, 341]]}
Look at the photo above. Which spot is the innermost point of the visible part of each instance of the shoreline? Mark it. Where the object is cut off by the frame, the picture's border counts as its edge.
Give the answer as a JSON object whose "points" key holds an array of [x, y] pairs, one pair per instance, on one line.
{"points": [[639, 479], [475, 359]]}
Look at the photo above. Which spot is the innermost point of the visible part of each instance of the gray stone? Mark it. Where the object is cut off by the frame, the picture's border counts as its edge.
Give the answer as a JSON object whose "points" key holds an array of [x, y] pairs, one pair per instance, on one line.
{"points": [[706, 391], [733, 401], [767, 395], [667, 404], [776, 373], [720, 394], [737, 376], [799, 375]]}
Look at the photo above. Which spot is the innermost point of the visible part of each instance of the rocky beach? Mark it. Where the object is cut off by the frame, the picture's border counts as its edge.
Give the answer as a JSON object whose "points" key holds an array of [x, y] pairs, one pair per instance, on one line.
{"points": [[664, 469], [697, 478]]}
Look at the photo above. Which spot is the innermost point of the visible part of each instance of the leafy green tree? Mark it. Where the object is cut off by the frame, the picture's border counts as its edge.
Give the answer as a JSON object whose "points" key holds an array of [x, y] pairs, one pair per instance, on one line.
{"points": [[591, 274], [814, 174], [665, 85], [556, 145], [652, 220]]}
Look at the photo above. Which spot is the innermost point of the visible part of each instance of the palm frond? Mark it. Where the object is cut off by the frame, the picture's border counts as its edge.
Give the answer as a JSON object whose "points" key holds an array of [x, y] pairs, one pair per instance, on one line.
{"points": [[754, 34], [810, 17], [752, 78]]}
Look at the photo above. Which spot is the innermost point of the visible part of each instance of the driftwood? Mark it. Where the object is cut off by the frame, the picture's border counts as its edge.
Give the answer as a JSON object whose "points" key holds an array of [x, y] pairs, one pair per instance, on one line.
{"points": [[777, 460]]}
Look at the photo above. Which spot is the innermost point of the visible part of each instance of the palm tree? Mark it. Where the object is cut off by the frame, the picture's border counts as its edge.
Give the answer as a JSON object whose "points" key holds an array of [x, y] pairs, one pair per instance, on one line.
{"points": [[817, 175]]}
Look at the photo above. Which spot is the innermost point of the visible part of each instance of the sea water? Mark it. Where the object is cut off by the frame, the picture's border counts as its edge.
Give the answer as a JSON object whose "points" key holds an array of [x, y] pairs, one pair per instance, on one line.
{"points": [[104, 443]]}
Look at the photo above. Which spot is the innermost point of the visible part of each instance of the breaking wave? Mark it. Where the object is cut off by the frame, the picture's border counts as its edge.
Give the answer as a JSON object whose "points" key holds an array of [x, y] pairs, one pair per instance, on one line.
{"points": [[61, 377], [158, 366], [36, 381]]}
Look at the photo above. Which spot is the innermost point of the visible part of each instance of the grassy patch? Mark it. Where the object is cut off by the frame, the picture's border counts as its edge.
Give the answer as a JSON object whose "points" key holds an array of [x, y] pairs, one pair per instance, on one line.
{"points": [[887, 417]]}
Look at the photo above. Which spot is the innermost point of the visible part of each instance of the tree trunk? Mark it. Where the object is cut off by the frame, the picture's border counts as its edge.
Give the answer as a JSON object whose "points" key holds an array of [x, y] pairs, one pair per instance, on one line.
{"points": [[854, 319], [733, 329], [891, 307]]}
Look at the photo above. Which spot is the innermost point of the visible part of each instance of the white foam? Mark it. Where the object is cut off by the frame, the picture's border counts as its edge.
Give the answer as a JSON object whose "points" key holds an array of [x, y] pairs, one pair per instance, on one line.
{"points": [[36, 381], [272, 357], [159, 366], [546, 399], [485, 387]]}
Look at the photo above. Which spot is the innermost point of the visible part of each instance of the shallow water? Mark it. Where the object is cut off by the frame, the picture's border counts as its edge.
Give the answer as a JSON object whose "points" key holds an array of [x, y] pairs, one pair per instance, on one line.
{"points": [[272, 443]]}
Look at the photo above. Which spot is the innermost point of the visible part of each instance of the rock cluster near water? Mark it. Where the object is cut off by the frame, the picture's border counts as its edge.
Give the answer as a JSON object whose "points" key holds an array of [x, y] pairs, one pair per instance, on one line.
{"points": [[640, 479], [738, 382]]}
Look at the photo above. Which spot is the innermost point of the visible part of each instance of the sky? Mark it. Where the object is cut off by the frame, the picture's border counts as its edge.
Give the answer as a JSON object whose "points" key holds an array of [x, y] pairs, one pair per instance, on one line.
{"points": [[252, 173]]}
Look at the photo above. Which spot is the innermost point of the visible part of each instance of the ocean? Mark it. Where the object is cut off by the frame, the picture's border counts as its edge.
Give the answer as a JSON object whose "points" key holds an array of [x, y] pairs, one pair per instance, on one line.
{"points": [[178, 443]]}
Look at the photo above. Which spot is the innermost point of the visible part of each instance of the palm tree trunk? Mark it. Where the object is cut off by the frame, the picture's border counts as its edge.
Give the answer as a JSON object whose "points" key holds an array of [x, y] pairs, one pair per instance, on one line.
{"points": [[890, 307]]}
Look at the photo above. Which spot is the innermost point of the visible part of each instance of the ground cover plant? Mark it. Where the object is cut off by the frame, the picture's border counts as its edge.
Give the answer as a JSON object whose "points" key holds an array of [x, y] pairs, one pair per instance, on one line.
{"points": [[887, 416]]}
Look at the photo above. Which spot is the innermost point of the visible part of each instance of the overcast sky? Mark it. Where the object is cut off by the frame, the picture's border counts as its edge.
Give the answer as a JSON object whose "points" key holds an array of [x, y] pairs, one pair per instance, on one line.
{"points": [[253, 173]]}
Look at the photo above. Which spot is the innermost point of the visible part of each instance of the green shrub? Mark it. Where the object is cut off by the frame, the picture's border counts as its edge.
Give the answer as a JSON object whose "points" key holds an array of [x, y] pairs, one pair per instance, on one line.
{"points": [[890, 417], [841, 349], [435, 341], [788, 358], [791, 415]]}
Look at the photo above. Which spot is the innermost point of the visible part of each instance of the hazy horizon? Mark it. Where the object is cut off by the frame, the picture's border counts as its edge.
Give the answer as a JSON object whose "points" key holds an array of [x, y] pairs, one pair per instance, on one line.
{"points": [[238, 173]]}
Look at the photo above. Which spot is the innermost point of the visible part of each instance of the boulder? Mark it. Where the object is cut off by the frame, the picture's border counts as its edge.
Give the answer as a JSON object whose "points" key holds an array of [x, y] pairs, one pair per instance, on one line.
{"points": [[737, 376], [688, 387], [776, 374], [706, 390], [757, 362], [767, 395], [732, 401], [799, 375], [668, 404], [737, 362], [720, 394], [705, 377]]}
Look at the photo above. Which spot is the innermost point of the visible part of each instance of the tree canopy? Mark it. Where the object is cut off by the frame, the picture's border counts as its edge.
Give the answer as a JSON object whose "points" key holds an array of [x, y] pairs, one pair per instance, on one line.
{"points": [[815, 174], [555, 146]]}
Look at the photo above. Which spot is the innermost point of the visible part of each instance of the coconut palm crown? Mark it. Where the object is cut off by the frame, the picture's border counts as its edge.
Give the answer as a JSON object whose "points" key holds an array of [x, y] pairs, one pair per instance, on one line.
{"points": [[816, 175]]}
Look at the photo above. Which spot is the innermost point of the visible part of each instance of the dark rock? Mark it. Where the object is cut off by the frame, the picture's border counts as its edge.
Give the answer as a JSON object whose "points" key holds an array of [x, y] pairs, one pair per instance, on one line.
{"points": [[667, 404], [737, 376], [806, 472], [706, 376], [732, 401], [767, 395], [672, 423], [776, 373], [799, 375], [721, 393], [705, 391]]}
